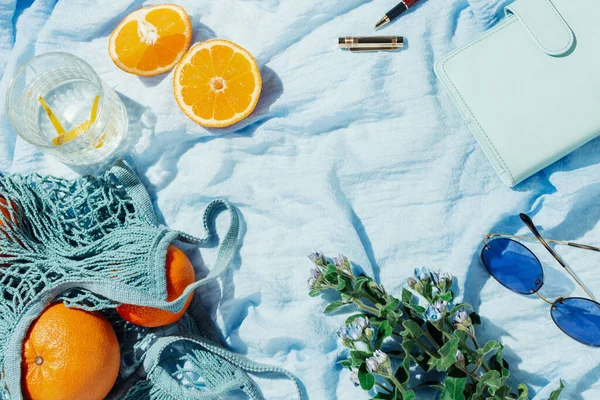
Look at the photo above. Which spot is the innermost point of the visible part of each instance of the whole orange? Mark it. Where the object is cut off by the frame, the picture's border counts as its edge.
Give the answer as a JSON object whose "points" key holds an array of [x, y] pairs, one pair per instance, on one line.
{"points": [[70, 354], [5, 207], [180, 274]]}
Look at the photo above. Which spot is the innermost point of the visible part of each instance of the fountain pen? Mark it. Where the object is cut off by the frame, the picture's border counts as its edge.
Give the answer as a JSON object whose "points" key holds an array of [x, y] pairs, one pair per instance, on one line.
{"points": [[394, 13]]}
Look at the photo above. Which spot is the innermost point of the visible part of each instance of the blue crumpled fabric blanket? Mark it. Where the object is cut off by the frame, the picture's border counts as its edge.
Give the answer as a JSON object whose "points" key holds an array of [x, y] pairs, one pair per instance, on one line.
{"points": [[362, 154]]}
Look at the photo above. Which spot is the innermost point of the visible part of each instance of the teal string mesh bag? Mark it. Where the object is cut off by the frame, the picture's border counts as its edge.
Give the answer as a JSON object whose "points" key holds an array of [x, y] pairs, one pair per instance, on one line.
{"points": [[95, 243]]}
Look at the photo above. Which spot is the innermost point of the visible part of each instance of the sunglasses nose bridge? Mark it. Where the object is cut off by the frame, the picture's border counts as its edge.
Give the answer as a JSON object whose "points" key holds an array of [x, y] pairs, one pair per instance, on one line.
{"points": [[546, 300]]}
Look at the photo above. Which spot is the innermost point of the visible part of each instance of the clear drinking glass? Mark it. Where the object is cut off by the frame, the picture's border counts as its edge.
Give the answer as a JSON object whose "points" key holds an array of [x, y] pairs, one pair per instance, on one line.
{"points": [[69, 87]]}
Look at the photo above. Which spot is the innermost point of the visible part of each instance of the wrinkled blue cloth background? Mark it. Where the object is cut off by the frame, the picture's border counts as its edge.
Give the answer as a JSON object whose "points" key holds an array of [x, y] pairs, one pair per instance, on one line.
{"points": [[356, 153]]}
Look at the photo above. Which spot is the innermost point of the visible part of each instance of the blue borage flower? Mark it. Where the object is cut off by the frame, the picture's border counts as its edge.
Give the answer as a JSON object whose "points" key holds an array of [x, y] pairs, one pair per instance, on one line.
{"points": [[441, 306], [340, 260], [372, 365], [316, 273], [362, 322], [435, 277], [462, 321], [422, 274], [444, 280], [318, 258], [377, 362], [381, 357], [354, 330], [432, 314], [460, 358], [412, 282]]}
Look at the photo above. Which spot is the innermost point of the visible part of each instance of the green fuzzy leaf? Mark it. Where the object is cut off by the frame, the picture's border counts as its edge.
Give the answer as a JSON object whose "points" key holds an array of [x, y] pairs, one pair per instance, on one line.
{"points": [[409, 395], [314, 293], [500, 364], [488, 348], [415, 307], [502, 392], [431, 364], [475, 319], [408, 344], [334, 306], [523, 392], [366, 379], [384, 331], [376, 322], [491, 381], [407, 296], [412, 330], [454, 389], [392, 303], [341, 284], [457, 308], [331, 273], [359, 285], [351, 318], [358, 356], [428, 289], [448, 296], [392, 319], [556, 393], [447, 354], [345, 363], [461, 335]]}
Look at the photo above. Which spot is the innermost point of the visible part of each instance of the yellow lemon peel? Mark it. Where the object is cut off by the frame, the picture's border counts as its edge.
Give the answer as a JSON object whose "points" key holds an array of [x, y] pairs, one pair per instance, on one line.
{"points": [[65, 137]]}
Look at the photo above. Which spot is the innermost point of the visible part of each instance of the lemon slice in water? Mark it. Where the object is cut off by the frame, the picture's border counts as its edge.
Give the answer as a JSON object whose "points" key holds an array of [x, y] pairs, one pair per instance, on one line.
{"points": [[65, 137]]}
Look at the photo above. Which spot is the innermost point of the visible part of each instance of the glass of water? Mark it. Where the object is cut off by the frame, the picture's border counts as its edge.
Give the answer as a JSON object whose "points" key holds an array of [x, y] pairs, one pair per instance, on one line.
{"points": [[57, 102]]}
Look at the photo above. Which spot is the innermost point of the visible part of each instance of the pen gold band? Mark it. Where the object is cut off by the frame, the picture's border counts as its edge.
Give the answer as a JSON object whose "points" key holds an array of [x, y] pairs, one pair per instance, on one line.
{"points": [[371, 43]]}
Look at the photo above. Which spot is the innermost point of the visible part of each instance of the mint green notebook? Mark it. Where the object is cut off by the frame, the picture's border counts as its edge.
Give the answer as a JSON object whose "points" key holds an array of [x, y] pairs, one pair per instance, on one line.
{"points": [[529, 88]]}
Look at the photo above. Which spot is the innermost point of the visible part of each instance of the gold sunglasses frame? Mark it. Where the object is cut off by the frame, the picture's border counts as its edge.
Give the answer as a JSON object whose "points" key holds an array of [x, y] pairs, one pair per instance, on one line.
{"points": [[538, 238]]}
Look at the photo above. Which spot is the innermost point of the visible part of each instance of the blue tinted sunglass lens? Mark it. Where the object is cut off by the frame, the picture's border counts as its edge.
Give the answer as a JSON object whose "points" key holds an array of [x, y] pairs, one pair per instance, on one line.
{"points": [[513, 265], [578, 318]]}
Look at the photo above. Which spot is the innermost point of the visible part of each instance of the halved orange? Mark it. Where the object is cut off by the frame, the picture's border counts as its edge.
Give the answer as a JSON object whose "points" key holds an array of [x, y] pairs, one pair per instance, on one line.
{"points": [[151, 40], [217, 83]]}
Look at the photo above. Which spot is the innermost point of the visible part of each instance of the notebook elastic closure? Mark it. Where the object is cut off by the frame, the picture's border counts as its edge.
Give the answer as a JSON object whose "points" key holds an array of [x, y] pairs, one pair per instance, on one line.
{"points": [[545, 25]]}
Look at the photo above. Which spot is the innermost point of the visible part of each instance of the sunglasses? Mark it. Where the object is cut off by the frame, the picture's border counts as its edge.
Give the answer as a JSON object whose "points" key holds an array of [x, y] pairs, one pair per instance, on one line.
{"points": [[517, 268]]}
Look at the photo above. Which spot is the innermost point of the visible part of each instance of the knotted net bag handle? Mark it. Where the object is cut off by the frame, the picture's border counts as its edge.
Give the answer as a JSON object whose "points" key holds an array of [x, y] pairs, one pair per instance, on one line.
{"points": [[135, 188], [162, 379]]}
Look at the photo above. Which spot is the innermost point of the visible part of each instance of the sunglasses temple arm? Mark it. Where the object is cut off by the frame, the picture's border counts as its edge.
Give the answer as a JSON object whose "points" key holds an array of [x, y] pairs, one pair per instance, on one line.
{"points": [[583, 246], [539, 237], [534, 239]]}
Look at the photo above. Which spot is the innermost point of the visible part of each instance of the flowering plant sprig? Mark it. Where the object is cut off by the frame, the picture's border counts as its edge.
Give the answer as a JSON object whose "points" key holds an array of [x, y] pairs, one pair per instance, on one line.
{"points": [[419, 338]]}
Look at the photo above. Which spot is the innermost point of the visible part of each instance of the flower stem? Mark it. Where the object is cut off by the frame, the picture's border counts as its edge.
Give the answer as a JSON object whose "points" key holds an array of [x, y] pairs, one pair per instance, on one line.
{"points": [[383, 387], [471, 374], [474, 341], [396, 383], [365, 307], [424, 347], [431, 339], [484, 365]]}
